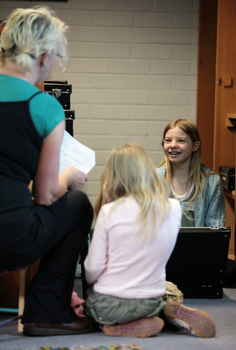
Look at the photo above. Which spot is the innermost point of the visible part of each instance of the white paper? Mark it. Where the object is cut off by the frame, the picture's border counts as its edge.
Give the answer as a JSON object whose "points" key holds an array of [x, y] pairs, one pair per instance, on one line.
{"points": [[75, 153]]}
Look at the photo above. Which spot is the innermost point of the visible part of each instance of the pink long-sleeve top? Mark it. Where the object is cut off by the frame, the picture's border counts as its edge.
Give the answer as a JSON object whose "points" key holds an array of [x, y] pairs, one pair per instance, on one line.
{"points": [[123, 264]]}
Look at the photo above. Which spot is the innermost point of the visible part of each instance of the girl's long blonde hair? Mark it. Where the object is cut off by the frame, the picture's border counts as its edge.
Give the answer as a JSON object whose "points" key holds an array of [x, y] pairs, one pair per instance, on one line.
{"points": [[129, 171], [197, 175]]}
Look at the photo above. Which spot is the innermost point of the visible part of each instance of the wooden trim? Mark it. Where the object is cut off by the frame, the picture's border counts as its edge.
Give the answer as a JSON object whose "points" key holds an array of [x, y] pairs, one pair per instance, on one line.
{"points": [[206, 77], [41, 86]]}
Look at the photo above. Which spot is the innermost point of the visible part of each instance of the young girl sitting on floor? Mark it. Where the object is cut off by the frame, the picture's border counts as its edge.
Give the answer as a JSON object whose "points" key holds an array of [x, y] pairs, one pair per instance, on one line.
{"points": [[198, 188], [135, 233]]}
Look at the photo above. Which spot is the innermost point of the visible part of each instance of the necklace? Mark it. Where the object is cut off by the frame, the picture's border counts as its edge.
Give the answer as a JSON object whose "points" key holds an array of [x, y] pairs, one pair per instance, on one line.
{"points": [[183, 196]]}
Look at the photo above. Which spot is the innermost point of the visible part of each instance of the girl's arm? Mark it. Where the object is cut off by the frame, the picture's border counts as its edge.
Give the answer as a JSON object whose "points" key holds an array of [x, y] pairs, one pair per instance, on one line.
{"points": [[215, 204], [48, 186], [96, 260]]}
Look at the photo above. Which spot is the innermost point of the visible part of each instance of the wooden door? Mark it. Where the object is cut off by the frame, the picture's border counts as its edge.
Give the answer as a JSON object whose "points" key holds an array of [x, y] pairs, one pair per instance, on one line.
{"points": [[225, 101]]}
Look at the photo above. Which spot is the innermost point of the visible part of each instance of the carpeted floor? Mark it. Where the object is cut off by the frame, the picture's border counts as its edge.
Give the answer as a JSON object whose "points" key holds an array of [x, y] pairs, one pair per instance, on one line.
{"points": [[223, 312]]}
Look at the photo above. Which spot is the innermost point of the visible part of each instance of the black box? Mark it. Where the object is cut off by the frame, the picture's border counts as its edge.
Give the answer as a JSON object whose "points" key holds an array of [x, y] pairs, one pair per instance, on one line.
{"points": [[70, 116], [198, 262], [69, 126], [227, 175], [60, 90]]}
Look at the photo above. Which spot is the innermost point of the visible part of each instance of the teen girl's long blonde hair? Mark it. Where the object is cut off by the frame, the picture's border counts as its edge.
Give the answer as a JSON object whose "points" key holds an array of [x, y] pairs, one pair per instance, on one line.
{"points": [[129, 171], [197, 175]]}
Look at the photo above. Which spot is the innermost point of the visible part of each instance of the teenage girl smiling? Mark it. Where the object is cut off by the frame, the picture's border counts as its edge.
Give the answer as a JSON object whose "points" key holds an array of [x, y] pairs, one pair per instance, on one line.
{"points": [[197, 187]]}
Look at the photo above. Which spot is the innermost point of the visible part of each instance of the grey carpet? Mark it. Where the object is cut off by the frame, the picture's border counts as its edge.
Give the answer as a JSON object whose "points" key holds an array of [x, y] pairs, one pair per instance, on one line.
{"points": [[223, 312]]}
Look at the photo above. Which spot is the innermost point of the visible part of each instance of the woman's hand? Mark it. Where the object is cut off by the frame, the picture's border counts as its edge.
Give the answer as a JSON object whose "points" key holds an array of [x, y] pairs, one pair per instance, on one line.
{"points": [[77, 178], [48, 186]]}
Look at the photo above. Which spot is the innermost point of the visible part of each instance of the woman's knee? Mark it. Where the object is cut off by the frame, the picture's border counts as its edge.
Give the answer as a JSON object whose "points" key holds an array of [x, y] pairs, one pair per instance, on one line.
{"points": [[81, 205], [78, 200]]}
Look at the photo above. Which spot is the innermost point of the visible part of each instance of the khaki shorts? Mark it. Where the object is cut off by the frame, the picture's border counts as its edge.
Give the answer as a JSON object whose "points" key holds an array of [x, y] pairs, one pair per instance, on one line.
{"points": [[107, 309]]}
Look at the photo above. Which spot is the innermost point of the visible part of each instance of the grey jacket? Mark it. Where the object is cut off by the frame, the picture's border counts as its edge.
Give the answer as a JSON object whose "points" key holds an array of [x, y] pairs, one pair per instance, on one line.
{"points": [[210, 209]]}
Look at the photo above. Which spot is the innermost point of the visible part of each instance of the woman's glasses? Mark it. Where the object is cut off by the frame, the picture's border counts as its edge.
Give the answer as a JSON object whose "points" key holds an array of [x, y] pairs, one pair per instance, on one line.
{"points": [[2, 25]]}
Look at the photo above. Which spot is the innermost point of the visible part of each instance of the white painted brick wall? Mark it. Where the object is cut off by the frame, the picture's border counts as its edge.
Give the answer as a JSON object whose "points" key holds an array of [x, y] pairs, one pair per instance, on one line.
{"points": [[133, 68]]}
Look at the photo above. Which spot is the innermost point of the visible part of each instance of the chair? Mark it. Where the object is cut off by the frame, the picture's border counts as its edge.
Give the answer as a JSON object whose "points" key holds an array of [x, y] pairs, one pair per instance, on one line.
{"points": [[24, 281], [24, 277]]}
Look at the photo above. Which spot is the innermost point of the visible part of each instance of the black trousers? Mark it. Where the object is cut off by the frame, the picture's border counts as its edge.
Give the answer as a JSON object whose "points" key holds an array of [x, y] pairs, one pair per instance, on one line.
{"points": [[49, 292]]}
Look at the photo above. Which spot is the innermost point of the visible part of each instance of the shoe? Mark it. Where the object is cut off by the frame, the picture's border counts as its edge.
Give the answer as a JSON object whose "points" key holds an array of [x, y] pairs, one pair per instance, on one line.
{"points": [[80, 326], [145, 327], [193, 321]]}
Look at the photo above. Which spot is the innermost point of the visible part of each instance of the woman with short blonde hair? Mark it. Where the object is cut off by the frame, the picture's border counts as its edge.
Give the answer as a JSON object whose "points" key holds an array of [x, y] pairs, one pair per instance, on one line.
{"points": [[32, 123]]}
